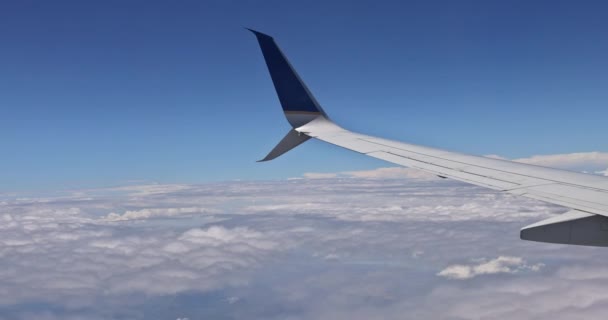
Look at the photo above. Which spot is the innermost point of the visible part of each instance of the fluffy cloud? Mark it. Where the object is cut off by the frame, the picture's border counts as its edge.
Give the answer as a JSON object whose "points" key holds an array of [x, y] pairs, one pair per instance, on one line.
{"points": [[593, 162], [502, 264], [320, 175], [587, 161], [353, 248], [156, 213]]}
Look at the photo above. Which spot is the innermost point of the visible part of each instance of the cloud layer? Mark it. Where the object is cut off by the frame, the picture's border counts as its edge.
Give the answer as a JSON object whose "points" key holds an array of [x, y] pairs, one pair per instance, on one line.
{"points": [[581, 161], [355, 248]]}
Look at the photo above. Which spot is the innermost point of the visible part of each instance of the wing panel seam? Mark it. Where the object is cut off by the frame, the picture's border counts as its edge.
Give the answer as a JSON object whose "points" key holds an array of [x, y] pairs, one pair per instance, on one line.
{"points": [[487, 168]]}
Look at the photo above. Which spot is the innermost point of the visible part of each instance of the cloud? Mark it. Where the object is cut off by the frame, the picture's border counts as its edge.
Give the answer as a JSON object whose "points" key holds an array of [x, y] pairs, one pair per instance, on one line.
{"points": [[582, 161], [602, 172], [502, 264], [147, 189], [319, 175], [67, 252], [354, 248], [157, 212]]}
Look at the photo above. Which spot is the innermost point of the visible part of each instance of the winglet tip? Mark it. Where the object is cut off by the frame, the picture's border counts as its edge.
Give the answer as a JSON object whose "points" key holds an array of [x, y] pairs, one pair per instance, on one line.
{"points": [[257, 33]]}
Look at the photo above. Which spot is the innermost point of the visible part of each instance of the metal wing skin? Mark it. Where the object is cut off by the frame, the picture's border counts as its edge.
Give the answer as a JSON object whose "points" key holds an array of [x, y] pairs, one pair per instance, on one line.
{"points": [[586, 195]]}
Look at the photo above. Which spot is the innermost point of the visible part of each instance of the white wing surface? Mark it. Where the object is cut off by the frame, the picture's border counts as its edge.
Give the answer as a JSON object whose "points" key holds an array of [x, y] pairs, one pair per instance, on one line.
{"points": [[586, 195]]}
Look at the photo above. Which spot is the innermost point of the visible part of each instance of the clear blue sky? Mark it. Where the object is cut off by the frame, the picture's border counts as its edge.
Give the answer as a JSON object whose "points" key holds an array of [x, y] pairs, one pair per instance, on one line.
{"points": [[106, 92]]}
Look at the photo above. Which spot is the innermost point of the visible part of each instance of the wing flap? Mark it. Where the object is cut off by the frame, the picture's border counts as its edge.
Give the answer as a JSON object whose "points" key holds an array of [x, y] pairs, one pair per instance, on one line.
{"points": [[572, 227], [588, 200]]}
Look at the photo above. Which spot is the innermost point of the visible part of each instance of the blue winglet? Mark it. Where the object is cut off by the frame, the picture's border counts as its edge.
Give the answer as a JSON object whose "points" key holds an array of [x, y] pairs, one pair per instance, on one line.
{"points": [[299, 105]]}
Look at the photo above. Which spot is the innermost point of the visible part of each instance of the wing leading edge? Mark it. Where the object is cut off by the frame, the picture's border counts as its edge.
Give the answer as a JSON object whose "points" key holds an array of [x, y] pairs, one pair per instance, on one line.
{"points": [[586, 195]]}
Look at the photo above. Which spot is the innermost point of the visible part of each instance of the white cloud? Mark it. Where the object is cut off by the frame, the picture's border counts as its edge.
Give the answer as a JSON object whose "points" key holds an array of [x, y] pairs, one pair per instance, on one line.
{"points": [[502, 264], [319, 175], [157, 212], [148, 189], [307, 249], [587, 161], [602, 172], [232, 300], [53, 251]]}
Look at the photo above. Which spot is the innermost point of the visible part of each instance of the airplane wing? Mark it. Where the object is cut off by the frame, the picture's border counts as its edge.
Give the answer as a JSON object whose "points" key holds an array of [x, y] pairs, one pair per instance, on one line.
{"points": [[586, 195]]}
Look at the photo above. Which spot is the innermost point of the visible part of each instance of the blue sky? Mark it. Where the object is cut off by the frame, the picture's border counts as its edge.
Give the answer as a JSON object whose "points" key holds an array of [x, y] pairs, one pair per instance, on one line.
{"points": [[110, 92]]}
